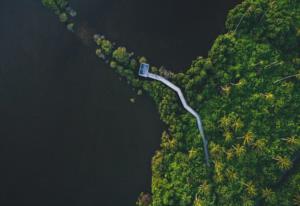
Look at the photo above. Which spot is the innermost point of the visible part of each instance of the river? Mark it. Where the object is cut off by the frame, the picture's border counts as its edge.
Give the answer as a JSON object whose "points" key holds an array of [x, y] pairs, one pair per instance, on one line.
{"points": [[69, 134]]}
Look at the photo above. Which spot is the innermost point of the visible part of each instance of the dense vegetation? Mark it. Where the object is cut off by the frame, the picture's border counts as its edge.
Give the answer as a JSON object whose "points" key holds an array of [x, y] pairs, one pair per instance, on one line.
{"points": [[64, 12], [248, 94]]}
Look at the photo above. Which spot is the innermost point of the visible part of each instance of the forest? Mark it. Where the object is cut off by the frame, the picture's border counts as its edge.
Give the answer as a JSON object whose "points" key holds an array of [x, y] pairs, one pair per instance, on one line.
{"points": [[247, 92]]}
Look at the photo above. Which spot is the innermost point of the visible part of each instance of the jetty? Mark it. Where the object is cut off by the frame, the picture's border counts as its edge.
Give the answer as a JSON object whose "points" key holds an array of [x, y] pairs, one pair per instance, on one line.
{"points": [[144, 72]]}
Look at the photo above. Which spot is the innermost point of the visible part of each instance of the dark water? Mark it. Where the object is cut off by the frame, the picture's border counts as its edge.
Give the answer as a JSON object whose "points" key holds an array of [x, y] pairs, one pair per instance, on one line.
{"points": [[68, 133], [168, 32]]}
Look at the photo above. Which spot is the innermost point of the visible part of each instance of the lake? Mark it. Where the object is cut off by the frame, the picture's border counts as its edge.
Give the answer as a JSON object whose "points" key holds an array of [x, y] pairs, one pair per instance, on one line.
{"points": [[69, 134]]}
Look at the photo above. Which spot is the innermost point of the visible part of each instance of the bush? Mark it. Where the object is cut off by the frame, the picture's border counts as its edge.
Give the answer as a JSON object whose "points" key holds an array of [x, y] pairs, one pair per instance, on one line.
{"points": [[121, 55]]}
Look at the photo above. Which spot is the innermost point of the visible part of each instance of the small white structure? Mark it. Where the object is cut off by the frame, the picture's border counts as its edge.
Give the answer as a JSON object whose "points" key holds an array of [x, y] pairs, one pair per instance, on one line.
{"points": [[144, 72]]}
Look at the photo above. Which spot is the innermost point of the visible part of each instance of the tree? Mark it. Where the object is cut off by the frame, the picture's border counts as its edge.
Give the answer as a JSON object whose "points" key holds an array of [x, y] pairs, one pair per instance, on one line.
{"points": [[144, 199], [106, 47], [283, 163], [248, 138], [63, 17], [121, 55], [296, 200], [56, 5], [239, 150], [248, 94], [268, 195]]}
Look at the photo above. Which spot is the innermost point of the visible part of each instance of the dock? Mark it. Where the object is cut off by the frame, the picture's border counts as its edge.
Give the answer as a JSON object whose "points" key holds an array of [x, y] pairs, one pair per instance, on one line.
{"points": [[144, 72]]}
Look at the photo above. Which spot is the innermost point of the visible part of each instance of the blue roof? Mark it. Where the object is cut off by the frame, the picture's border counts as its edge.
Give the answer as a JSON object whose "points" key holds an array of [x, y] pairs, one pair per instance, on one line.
{"points": [[144, 70]]}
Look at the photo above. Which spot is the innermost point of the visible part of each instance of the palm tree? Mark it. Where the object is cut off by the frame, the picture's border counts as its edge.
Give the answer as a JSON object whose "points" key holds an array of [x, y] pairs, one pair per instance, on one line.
{"points": [[250, 188], [225, 122], [231, 174], [219, 171], [226, 89], [216, 150], [192, 153], [218, 178], [248, 138], [292, 140], [237, 124], [283, 163], [205, 187], [198, 202], [229, 154], [268, 194], [228, 136], [239, 150], [259, 144], [296, 200], [218, 166]]}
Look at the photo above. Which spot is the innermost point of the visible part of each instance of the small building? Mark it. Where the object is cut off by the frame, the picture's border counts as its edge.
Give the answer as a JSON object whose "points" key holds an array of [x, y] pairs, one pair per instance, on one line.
{"points": [[144, 70]]}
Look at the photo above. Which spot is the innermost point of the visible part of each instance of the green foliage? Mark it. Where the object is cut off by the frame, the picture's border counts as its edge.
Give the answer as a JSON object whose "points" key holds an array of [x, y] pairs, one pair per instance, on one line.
{"points": [[70, 26], [248, 94], [121, 55], [59, 7], [63, 17], [56, 5], [253, 124], [105, 45], [144, 200], [273, 21]]}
